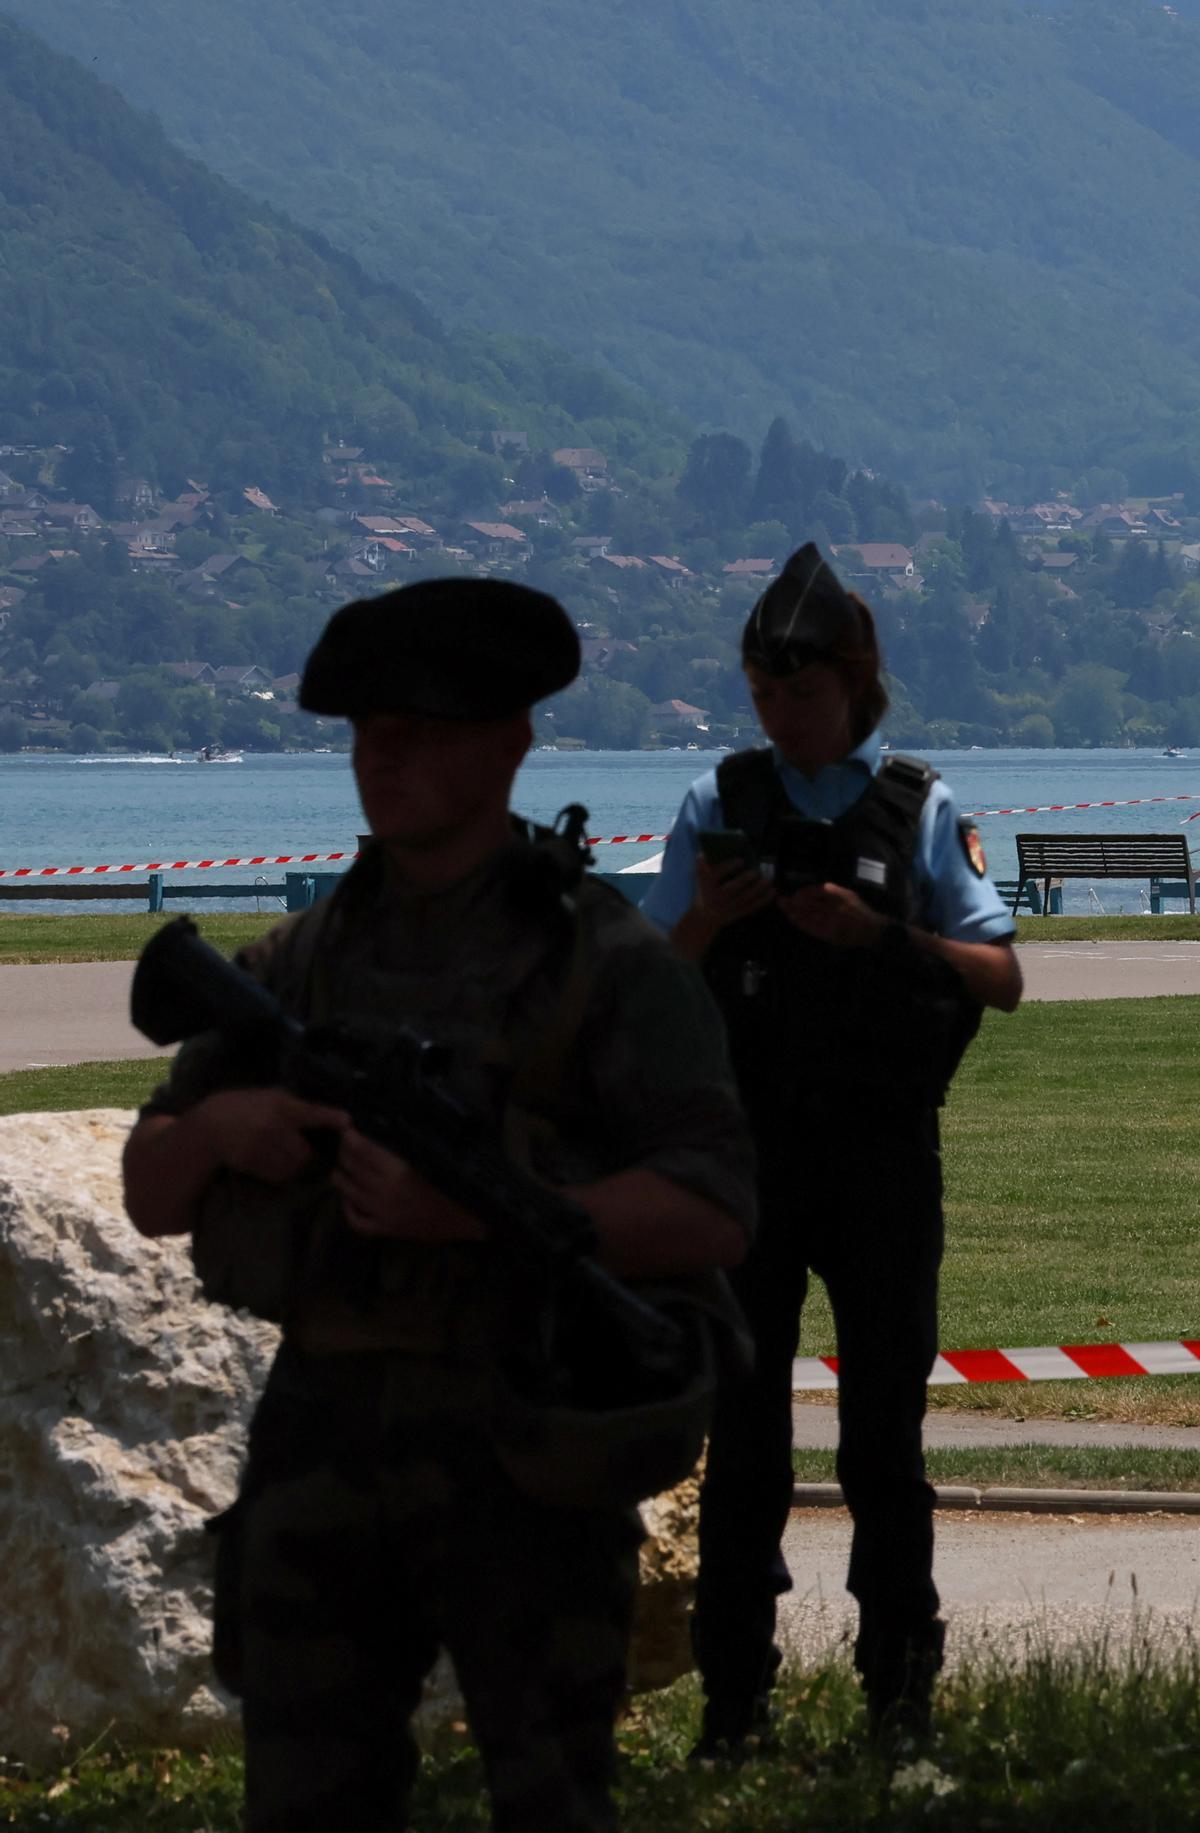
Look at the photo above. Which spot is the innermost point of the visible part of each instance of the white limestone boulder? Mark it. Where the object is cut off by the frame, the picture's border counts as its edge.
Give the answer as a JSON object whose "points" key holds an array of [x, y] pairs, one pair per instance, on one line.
{"points": [[124, 1402], [669, 1562]]}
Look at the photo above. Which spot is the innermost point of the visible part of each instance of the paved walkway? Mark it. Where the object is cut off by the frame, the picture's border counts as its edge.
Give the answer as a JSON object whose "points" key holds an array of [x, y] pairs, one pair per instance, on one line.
{"points": [[70, 1013], [79, 1013], [1109, 970], [1011, 1583]]}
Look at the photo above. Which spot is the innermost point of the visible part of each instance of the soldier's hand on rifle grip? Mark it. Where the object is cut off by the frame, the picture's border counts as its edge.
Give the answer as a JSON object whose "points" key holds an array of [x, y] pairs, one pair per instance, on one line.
{"points": [[382, 1195], [262, 1131]]}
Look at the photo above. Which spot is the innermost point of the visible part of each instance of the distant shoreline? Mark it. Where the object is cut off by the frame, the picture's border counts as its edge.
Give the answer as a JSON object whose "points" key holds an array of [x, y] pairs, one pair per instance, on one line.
{"points": [[99, 757]]}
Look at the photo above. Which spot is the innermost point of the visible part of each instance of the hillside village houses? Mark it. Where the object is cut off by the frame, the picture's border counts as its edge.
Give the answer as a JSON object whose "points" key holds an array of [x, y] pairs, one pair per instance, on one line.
{"points": [[365, 536], [876, 560], [679, 713], [590, 467]]}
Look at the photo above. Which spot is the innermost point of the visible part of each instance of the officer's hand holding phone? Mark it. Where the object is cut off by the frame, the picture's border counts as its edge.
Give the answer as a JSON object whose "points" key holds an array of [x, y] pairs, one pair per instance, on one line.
{"points": [[729, 883], [833, 913]]}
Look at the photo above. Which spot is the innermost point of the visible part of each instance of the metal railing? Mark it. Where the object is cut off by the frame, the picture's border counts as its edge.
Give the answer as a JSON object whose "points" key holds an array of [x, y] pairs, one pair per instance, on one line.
{"points": [[295, 890]]}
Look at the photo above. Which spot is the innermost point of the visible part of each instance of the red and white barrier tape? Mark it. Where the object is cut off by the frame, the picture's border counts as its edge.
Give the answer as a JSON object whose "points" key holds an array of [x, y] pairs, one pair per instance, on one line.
{"points": [[174, 865], [974, 814], [1059, 808], [313, 859], [1072, 1362], [253, 859]]}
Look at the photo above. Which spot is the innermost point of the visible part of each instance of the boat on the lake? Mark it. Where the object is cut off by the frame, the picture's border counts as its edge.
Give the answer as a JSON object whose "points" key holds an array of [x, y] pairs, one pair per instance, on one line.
{"points": [[217, 754], [139, 757]]}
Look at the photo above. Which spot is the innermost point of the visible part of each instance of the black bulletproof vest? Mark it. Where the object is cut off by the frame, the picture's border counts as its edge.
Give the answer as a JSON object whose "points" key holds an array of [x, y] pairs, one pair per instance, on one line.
{"points": [[804, 1016]]}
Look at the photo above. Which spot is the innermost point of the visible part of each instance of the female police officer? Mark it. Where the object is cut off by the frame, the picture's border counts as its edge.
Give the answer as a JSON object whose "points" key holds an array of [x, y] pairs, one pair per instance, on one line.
{"points": [[851, 972]]}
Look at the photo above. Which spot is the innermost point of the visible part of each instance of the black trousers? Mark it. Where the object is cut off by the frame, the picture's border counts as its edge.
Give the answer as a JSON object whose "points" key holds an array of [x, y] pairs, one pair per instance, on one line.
{"points": [[375, 1526], [858, 1200]]}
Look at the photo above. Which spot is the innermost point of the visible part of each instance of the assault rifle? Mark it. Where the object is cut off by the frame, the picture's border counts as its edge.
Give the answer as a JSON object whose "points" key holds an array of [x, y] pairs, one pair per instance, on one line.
{"points": [[395, 1086]]}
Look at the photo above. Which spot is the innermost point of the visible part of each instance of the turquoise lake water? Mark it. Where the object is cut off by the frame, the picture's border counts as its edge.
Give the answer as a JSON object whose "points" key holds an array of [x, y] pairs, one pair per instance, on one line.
{"points": [[76, 811]]}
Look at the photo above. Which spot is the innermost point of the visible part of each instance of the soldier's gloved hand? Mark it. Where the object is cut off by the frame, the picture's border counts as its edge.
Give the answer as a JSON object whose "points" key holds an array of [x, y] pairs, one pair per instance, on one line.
{"points": [[262, 1130], [833, 913], [728, 892], [382, 1195]]}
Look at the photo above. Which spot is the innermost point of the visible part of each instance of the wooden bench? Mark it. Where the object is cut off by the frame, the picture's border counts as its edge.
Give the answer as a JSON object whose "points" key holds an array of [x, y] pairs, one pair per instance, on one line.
{"points": [[1025, 892], [1158, 857]]}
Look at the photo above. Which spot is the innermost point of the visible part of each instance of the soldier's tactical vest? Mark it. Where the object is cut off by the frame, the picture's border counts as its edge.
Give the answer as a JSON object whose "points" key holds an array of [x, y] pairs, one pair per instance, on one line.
{"points": [[805, 1017], [608, 1445], [298, 1245]]}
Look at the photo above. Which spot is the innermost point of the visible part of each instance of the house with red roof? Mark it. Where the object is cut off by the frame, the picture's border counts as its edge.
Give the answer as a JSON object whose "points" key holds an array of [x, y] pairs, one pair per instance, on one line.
{"points": [[589, 465], [496, 540], [887, 558], [672, 569], [620, 563], [258, 499], [678, 713]]}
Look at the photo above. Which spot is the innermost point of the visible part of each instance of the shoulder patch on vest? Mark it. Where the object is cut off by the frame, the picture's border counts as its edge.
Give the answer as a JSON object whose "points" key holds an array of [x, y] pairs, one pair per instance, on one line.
{"points": [[972, 846]]}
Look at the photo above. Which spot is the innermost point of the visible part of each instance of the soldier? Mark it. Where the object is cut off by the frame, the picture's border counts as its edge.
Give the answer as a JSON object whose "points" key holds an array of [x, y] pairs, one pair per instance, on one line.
{"points": [[847, 926], [378, 1520]]}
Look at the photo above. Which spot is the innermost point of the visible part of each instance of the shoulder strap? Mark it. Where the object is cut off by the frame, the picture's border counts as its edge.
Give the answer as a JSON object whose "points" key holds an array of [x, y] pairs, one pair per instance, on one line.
{"points": [[548, 876], [311, 967], [901, 789], [752, 797], [538, 1073]]}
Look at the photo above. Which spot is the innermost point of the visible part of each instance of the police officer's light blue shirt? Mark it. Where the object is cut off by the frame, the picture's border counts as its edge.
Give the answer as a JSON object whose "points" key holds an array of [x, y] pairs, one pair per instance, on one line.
{"points": [[951, 898]]}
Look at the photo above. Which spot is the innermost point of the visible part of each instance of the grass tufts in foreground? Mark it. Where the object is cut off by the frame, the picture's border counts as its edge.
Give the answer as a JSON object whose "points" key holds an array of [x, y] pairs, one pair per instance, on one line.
{"points": [[1106, 1739]]}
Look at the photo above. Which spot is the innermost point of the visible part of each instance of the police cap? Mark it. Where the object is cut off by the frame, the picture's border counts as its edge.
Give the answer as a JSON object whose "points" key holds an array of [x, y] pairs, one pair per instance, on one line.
{"points": [[447, 648], [803, 616]]}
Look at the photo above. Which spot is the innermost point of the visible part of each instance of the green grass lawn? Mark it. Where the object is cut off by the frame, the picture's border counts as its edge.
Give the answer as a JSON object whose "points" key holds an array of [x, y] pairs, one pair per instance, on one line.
{"points": [[30, 939], [1037, 1467], [1072, 1155], [79, 1085], [1073, 1192], [1072, 1151], [1180, 928], [1099, 1740]]}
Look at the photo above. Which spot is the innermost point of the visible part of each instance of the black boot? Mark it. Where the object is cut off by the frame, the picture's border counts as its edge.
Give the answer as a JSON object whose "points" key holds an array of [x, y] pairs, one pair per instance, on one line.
{"points": [[898, 1680], [736, 1729]]}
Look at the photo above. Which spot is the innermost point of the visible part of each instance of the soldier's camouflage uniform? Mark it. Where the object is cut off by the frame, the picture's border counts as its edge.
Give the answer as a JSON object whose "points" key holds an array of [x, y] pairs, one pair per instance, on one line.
{"points": [[375, 1524]]}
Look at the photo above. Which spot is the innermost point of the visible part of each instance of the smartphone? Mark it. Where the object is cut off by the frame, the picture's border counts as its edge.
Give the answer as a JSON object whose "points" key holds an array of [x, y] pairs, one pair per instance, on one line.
{"points": [[722, 846], [806, 854]]}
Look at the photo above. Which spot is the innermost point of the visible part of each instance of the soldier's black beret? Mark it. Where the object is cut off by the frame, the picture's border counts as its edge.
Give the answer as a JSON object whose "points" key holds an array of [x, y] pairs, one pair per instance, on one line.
{"points": [[802, 616], [447, 648]]}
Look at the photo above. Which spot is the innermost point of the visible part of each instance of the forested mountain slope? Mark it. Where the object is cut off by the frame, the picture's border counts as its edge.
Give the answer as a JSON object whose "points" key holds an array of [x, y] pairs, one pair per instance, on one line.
{"points": [[148, 304], [954, 239]]}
